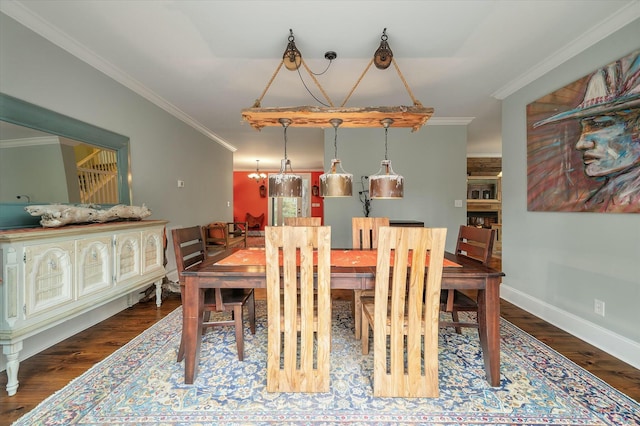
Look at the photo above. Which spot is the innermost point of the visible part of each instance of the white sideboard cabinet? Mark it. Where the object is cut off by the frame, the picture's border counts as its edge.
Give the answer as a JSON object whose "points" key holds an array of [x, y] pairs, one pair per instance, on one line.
{"points": [[50, 275]]}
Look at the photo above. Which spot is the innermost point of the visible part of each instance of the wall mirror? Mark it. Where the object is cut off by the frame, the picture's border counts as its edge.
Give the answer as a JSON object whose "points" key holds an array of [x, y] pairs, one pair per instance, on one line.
{"points": [[17, 115]]}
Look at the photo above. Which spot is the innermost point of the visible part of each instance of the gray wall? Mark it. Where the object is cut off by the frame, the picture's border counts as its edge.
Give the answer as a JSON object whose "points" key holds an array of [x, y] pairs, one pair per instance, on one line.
{"points": [[432, 161], [162, 148], [556, 264], [46, 180]]}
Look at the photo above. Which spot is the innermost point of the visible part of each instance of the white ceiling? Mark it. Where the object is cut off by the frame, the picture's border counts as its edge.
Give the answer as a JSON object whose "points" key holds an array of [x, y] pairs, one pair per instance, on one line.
{"points": [[204, 61]]}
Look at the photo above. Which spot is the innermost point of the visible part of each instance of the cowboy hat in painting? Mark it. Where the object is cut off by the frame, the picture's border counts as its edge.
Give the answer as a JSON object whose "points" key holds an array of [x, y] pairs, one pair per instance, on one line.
{"points": [[612, 88]]}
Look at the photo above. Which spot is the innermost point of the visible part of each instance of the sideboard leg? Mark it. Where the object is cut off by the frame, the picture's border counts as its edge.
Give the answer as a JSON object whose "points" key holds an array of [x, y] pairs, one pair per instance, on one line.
{"points": [[158, 293], [11, 351]]}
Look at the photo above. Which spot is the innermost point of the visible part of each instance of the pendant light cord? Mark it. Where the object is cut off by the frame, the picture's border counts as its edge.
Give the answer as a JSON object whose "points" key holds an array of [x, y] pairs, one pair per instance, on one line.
{"points": [[335, 122], [285, 123], [285, 141], [386, 132], [386, 122], [335, 142]]}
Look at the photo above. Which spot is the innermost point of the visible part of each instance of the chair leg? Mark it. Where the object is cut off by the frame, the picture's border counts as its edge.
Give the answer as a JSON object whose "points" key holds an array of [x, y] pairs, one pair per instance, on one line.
{"points": [[251, 306], [237, 316], [206, 318], [357, 312], [454, 316], [181, 348], [365, 334]]}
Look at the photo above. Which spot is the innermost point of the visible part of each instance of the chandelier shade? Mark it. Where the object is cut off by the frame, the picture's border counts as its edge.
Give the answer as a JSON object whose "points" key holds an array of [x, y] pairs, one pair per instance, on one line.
{"points": [[386, 184], [336, 182], [285, 183]]}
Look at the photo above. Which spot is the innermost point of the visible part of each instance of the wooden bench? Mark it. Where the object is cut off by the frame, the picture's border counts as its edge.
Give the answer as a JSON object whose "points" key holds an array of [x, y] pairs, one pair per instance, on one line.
{"points": [[224, 235]]}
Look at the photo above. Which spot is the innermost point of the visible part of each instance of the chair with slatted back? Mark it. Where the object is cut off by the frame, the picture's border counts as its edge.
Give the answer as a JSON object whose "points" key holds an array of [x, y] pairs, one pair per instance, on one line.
{"points": [[190, 250], [302, 221], [364, 236], [298, 318], [404, 312], [477, 244]]}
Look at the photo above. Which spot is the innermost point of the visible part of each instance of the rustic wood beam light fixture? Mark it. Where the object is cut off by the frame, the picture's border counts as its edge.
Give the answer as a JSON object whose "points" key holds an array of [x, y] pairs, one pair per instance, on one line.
{"points": [[414, 116]]}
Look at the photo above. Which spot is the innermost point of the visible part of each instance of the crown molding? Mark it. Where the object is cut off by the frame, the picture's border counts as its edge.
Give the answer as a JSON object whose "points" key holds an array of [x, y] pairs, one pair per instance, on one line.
{"points": [[35, 23], [449, 121], [25, 142], [590, 37]]}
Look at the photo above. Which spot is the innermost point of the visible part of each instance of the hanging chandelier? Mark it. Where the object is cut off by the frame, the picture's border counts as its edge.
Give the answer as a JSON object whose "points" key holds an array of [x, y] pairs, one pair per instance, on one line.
{"points": [[285, 184], [386, 184], [414, 116], [257, 175], [336, 182]]}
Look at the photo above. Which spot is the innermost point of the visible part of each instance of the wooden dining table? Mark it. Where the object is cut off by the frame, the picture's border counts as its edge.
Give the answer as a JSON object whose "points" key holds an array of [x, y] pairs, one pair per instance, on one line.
{"points": [[350, 269]]}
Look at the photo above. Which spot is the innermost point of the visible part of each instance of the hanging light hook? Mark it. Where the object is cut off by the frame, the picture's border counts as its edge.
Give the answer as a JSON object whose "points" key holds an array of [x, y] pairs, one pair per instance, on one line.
{"points": [[383, 56], [292, 57]]}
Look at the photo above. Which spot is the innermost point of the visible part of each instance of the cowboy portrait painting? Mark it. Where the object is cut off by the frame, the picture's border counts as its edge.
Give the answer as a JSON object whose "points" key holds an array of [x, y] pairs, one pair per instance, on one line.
{"points": [[583, 143]]}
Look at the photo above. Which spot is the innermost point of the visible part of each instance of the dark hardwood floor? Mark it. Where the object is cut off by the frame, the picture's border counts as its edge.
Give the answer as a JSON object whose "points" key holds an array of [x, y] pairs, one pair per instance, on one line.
{"points": [[47, 372]]}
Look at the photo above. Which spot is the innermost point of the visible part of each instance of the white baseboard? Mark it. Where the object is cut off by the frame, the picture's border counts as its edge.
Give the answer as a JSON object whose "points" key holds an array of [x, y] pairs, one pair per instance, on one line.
{"points": [[614, 344], [172, 275]]}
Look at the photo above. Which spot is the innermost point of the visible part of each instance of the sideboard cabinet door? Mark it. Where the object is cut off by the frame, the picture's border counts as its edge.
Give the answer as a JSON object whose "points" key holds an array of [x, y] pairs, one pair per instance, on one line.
{"points": [[152, 250], [49, 281], [127, 257], [94, 265]]}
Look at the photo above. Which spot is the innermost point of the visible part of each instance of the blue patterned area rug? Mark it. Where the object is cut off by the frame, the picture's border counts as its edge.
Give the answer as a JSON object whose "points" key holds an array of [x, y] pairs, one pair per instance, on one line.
{"points": [[143, 384]]}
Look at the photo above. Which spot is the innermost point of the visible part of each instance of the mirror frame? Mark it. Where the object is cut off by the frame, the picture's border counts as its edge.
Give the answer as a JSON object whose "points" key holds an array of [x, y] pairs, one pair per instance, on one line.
{"points": [[17, 111]]}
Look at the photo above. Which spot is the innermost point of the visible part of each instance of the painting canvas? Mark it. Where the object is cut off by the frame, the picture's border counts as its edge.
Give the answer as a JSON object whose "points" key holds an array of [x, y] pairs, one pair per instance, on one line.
{"points": [[583, 143]]}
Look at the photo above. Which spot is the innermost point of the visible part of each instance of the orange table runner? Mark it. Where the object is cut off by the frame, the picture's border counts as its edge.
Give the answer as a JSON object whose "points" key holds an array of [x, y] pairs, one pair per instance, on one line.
{"points": [[256, 257]]}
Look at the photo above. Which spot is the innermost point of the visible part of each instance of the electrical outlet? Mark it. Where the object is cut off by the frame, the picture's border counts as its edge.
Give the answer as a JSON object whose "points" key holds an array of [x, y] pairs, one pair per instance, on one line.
{"points": [[598, 307]]}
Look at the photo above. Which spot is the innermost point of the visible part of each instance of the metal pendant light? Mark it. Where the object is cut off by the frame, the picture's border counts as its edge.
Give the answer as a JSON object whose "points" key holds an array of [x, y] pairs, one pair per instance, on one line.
{"points": [[285, 184], [386, 184], [336, 182]]}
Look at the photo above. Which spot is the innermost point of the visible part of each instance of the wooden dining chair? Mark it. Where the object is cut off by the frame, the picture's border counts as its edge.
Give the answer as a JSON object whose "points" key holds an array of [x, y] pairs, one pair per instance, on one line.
{"points": [[302, 221], [299, 319], [405, 322], [364, 236], [224, 235], [190, 250], [473, 243]]}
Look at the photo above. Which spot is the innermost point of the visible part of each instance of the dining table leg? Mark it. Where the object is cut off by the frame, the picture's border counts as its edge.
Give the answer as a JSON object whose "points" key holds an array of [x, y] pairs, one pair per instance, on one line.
{"points": [[489, 328], [192, 311]]}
